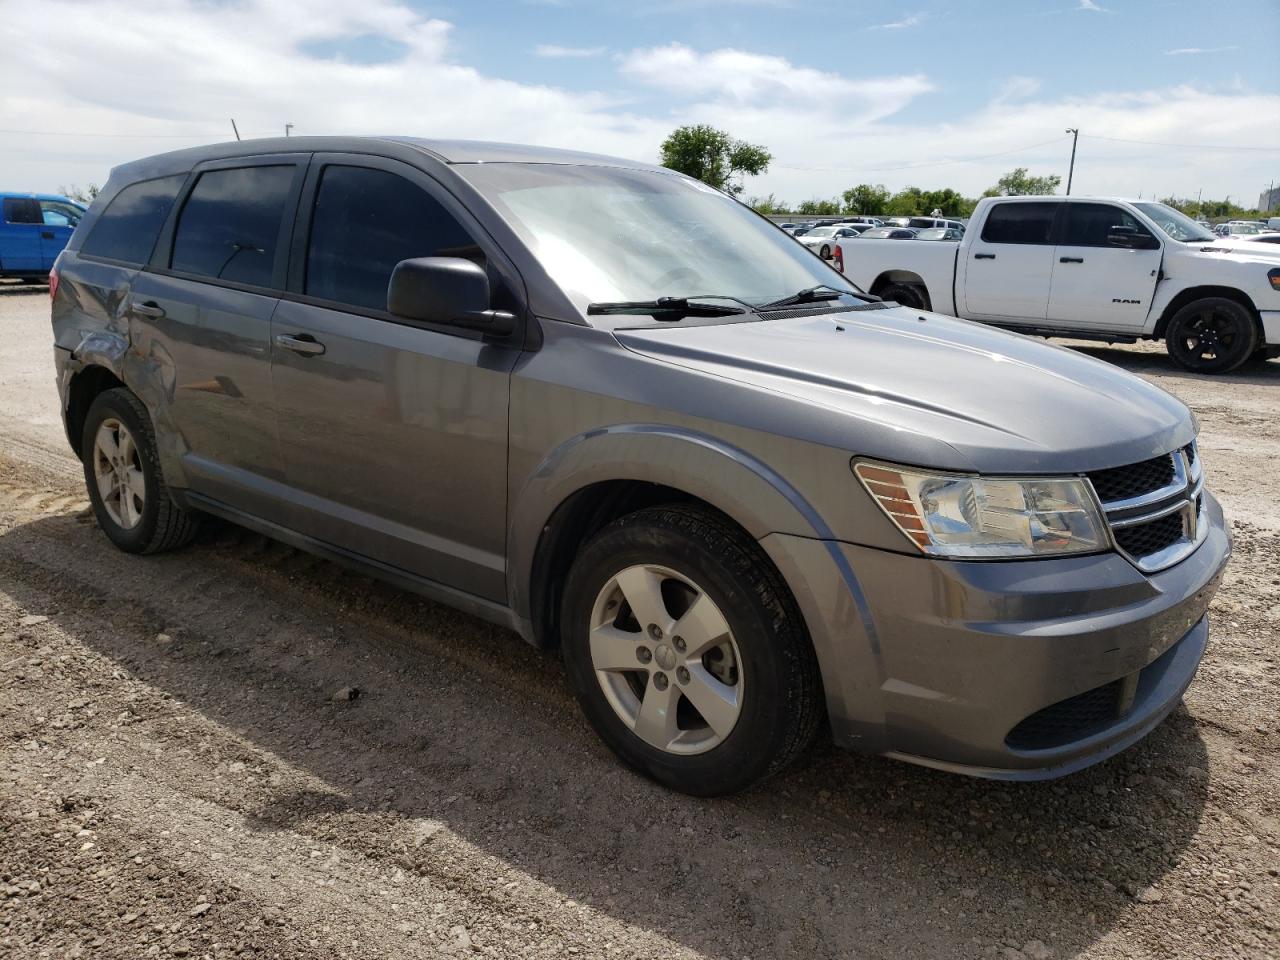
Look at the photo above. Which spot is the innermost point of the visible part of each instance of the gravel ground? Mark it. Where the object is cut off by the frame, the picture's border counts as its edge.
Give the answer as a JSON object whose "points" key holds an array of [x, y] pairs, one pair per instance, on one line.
{"points": [[185, 773]]}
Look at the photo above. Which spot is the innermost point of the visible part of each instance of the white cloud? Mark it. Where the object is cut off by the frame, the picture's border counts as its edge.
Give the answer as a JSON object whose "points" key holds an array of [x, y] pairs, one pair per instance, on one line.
{"points": [[1189, 51], [828, 130], [1092, 7], [555, 51], [1018, 88], [911, 20], [761, 83]]}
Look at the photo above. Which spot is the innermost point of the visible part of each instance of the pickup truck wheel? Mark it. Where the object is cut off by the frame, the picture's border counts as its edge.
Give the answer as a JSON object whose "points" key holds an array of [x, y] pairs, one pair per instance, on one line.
{"points": [[1213, 335], [906, 294], [122, 472], [687, 653]]}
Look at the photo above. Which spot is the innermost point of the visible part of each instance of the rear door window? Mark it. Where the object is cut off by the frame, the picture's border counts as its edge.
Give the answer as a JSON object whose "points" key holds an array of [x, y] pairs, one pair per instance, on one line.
{"points": [[230, 225], [127, 229], [1019, 222], [364, 222], [1087, 224], [22, 210]]}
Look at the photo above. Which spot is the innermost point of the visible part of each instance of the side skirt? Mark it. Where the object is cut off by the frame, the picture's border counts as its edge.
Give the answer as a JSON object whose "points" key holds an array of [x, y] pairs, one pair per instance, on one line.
{"points": [[497, 613]]}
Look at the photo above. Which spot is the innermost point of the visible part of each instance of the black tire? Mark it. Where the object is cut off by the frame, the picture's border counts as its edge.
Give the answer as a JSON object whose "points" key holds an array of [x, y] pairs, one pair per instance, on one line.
{"points": [[162, 523], [782, 703], [907, 294], [1212, 335]]}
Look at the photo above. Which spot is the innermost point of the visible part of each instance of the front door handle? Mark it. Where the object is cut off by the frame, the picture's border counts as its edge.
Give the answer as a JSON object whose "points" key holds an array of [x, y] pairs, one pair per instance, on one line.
{"points": [[149, 309], [984, 256], [46, 234], [301, 343], [1071, 259]]}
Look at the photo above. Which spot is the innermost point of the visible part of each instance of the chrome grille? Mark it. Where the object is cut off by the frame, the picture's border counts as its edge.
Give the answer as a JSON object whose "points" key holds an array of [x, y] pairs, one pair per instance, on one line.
{"points": [[1154, 507]]}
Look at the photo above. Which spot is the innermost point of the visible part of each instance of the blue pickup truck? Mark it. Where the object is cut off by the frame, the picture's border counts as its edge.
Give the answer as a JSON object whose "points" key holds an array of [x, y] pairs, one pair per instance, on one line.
{"points": [[34, 227]]}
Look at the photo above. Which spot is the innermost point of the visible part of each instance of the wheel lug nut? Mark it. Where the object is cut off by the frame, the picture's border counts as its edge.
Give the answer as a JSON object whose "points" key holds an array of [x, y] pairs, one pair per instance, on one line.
{"points": [[643, 654], [679, 643], [660, 681], [682, 674], [655, 631]]}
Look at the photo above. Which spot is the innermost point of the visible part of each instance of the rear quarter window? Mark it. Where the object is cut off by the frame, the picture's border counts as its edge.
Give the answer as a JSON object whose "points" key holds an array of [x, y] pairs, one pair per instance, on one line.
{"points": [[1019, 223], [127, 229]]}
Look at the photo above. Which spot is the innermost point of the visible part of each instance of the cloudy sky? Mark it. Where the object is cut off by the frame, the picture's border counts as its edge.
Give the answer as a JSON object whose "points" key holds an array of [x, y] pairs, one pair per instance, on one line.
{"points": [[1171, 96]]}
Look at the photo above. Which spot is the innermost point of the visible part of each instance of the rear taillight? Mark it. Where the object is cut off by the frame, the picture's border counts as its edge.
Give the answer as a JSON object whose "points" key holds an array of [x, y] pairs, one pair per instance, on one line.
{"points": [[53, 283], [838, 257]]}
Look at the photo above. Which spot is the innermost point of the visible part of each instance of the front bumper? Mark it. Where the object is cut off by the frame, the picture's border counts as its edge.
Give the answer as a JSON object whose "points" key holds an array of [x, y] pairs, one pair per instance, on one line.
{"points": [[953, 664]]}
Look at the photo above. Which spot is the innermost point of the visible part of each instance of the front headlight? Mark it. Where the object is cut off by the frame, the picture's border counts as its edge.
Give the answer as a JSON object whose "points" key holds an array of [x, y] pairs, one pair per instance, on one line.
{"points": [[957, 516]]}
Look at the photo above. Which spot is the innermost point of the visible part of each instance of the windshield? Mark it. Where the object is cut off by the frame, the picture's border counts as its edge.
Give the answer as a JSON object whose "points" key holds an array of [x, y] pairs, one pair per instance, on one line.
{"points": [[607, 234], [1175, 224], [821, 232]]}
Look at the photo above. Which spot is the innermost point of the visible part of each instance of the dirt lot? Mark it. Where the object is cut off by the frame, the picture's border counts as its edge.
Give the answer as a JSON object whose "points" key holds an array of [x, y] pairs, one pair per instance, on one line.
{"points": [[178, 779]]}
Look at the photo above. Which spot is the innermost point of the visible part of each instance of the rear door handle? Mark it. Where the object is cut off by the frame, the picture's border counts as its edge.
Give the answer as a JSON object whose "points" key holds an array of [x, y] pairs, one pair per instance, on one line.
{"points": [[302, 343], [984, 256], [149, 309], [1071, 259], [46, 234]]}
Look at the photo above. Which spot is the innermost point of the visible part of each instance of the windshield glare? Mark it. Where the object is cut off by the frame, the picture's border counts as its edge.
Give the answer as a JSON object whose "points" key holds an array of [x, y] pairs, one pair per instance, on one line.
{"points": [[608, 234], [1177, 225]]}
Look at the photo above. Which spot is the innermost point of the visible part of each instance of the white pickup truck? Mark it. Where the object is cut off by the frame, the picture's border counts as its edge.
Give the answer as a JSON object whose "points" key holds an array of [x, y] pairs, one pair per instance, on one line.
{"points": [[1100, 269]]}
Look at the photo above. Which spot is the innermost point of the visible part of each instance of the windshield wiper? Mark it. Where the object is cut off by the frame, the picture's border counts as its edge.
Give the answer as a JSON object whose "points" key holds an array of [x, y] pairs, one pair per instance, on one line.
{"points": [[807, 295], [666, 308]]}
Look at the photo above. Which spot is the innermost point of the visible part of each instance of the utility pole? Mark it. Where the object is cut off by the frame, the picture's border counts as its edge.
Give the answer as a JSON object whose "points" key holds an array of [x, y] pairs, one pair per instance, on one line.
{"points": [[287, 127], [234, 128], [1075, 135]]}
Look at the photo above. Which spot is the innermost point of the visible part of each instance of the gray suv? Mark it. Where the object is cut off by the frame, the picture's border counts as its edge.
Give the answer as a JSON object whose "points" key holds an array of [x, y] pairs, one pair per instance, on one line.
{"points": [[612, 409]]}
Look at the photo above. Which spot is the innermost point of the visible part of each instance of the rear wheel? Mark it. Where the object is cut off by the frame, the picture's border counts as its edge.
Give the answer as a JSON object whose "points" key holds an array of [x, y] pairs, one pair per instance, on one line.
{"points": [[123, 476], [907, 294], [1213, 335], [687, 653]]}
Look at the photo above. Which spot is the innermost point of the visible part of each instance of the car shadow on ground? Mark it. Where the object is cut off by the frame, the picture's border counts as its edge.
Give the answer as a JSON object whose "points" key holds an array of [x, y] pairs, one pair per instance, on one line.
{"points": [[460, 724]]}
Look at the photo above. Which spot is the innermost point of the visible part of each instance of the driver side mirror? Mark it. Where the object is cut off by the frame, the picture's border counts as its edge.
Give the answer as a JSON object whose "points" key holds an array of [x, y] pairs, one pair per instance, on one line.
{"points": [[448, 291], [1131, 237]]}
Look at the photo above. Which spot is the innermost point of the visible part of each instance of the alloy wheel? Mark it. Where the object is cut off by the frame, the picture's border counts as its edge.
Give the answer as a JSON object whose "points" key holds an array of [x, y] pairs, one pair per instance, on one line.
{"points": [[117, 470], [666, 659]]}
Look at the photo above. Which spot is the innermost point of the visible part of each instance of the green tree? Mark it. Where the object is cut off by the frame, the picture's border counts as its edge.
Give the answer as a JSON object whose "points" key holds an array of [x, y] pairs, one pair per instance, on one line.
{"points": [[1019, 183], [713, 156], [950, 202], [767, 205], [819, 208], [907, 202], [865, 199]]}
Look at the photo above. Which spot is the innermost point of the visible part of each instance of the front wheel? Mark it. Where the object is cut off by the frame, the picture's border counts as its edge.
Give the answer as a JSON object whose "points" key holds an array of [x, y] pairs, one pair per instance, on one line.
{"points": [[687, 653], [1213, 335]]}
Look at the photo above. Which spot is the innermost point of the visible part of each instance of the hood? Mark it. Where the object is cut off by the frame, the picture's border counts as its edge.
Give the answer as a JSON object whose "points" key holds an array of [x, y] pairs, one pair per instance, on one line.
{"points": [[997, 402], [1250, 249]]}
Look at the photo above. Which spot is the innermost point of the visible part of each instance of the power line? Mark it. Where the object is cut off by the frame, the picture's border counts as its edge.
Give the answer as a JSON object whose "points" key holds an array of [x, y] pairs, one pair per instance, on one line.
{"points": [[1189, 146], [913, 166]]}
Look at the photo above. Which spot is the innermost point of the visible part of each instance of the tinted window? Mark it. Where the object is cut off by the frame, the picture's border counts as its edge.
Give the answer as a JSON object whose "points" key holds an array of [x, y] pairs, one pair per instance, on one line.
{"points": [[128, 227], [1087, 224], [22, 210], [1019, 223], [230, 225], [364, 223]]}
